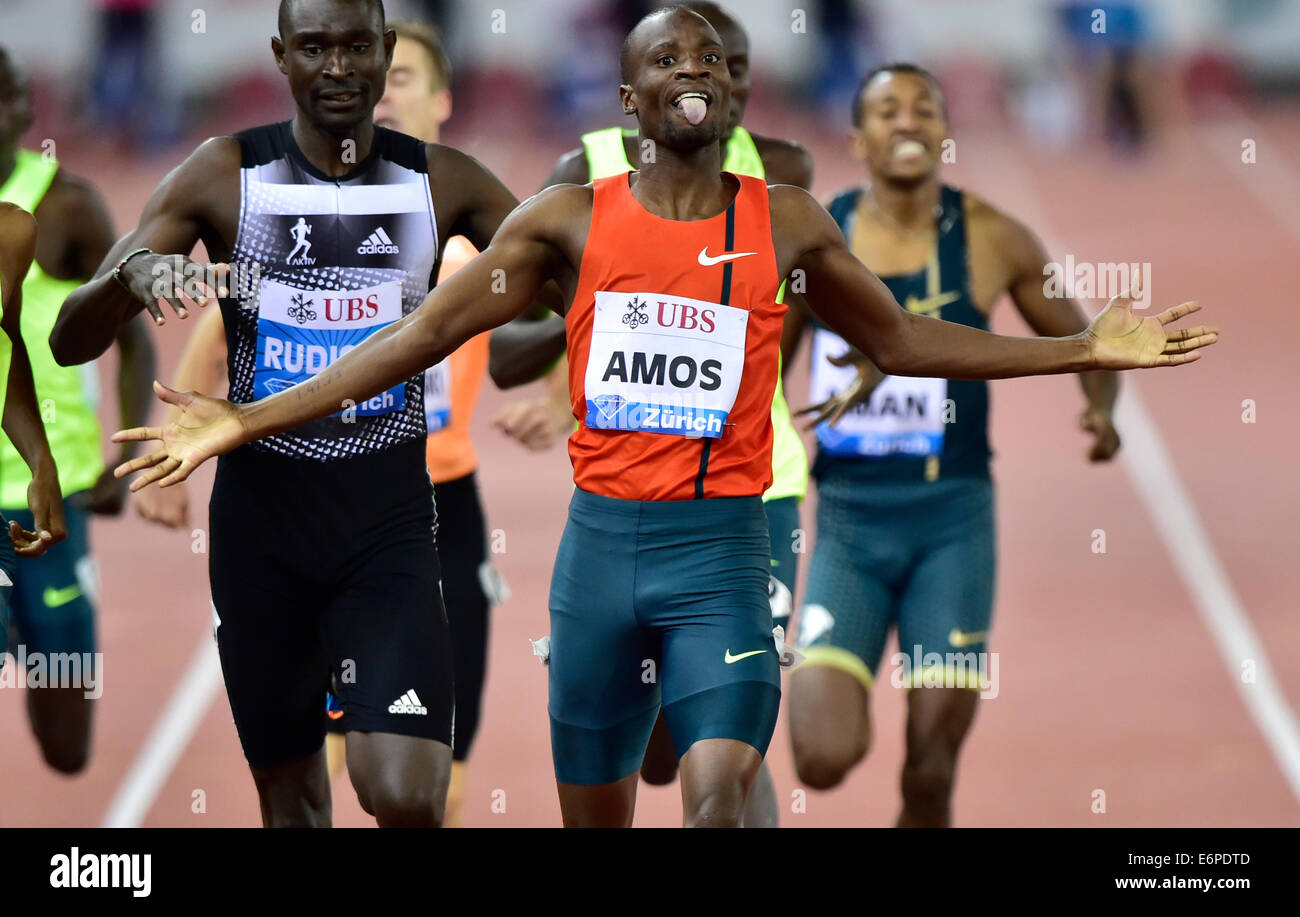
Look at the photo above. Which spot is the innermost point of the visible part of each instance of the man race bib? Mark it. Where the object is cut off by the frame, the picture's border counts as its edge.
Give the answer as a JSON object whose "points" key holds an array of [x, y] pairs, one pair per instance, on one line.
{"points": [[904, 415], [301, 332], [664, 364], [437, 395]]}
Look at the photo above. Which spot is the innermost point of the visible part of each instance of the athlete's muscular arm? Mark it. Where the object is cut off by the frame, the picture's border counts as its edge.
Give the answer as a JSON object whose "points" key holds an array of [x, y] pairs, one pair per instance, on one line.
{"points": [[541, 241], [1058, 316], [852, 301], [75, 236], [21, 418], [184, 209], [531, 346]]}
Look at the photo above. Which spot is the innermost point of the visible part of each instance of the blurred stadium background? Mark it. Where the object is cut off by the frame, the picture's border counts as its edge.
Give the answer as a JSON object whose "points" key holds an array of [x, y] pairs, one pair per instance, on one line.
{"points": [[1120, 672]]}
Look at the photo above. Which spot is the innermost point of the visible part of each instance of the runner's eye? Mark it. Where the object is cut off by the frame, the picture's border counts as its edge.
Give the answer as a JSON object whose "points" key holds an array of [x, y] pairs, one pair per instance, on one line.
{"points": [[664, 61], [360, 48]]}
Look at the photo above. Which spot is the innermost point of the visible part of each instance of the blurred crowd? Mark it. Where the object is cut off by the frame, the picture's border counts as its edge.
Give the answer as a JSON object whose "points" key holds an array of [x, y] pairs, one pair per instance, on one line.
{"points": [[1059, 69]]}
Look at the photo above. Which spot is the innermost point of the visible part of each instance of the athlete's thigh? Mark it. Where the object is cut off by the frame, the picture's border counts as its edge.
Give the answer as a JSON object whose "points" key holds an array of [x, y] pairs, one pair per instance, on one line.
{"points": [[704, 590], [387, 640], [850, 600], [272, 658], [53, 598], [945, 611], [604, 682]]}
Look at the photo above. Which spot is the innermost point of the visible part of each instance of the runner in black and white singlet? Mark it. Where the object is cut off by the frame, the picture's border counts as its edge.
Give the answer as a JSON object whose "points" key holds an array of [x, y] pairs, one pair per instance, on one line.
{"points": [[322, 558]]}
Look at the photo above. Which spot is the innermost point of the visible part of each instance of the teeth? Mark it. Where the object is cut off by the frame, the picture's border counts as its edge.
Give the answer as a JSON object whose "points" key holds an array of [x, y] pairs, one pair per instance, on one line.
{"points": [[909, 148]]}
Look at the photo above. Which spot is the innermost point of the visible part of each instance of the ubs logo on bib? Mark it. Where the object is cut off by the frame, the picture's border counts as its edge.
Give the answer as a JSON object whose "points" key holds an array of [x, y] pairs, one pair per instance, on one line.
{"points": [[635, 316]]}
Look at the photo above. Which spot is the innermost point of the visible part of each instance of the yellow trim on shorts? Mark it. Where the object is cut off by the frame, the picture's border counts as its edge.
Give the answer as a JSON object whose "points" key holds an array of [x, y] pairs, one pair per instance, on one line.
{"points": [[953, 676], [836, 657]]}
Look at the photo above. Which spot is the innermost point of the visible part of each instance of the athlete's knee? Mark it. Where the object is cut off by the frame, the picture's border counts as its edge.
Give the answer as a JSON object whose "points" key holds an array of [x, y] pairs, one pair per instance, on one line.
{"points": [[830, 729], [68, 757], [824, 766], [929, 771], [720, 806], [395, 802]]}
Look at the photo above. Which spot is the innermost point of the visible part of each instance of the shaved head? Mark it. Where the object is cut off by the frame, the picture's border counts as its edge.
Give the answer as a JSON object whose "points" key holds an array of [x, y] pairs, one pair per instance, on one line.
{"points": [[289, 7], [636, 38]]}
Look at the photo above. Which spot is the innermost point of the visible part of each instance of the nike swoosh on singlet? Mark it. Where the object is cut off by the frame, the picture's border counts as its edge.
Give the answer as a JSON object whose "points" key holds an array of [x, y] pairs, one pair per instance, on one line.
{"points": [[55, 598], [930, 303], [729, 659], [957, 638], [709, 260]]}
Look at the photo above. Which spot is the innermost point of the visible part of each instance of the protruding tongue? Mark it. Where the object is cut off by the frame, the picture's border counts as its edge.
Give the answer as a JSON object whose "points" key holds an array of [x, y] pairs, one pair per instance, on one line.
{"points": [[693, 109]]}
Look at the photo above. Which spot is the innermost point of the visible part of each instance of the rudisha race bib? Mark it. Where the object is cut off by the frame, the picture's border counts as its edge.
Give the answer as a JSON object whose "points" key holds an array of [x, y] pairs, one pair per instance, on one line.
{"points": [[301, 332], [437, 395], [904, 415], [664, 364]]}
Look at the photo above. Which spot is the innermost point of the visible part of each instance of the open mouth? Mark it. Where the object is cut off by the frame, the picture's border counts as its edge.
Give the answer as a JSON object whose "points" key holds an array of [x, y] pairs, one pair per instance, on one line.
{"points": [[909, 149], [339, 99], [693, 105]]}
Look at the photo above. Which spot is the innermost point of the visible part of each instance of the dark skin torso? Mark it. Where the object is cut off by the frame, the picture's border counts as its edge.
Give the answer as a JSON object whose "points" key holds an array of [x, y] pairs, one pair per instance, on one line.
{"points": [[1001, 250]]}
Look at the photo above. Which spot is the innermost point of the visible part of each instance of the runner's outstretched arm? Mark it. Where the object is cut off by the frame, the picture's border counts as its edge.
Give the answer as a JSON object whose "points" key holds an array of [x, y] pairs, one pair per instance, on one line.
{"points": [[525, 251], [853, 302]]}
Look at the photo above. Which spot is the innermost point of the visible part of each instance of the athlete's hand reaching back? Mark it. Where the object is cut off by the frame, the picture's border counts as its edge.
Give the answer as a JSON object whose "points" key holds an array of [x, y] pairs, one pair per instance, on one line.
{"points": [[1120, 339], [204, 427], [856, 392], [174, 281], [1105, 438], [169, 507]]}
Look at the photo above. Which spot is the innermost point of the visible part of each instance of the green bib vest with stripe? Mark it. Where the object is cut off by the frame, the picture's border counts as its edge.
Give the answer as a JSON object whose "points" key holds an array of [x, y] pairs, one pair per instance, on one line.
{"points": [[65, 395], [606, 156]]}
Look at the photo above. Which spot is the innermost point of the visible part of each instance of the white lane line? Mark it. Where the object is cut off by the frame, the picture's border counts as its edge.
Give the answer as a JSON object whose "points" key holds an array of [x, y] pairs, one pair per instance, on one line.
{"points": [[1155, 477], [167, 741]]}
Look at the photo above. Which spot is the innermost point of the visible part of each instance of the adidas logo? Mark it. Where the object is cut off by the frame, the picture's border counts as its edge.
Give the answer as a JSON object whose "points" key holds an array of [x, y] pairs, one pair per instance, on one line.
{"points": [[408, 703], [378, 244]]}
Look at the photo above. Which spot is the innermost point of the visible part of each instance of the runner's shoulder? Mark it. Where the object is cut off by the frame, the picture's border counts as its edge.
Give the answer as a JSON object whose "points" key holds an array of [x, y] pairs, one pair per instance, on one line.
{"points": [[989, 226], [17, 226], [786, 162], [571, 168]]}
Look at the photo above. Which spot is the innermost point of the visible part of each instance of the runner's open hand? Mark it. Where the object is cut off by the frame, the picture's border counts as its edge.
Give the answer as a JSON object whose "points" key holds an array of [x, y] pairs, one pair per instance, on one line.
{"points": [[1119, 339], [204, 427]]}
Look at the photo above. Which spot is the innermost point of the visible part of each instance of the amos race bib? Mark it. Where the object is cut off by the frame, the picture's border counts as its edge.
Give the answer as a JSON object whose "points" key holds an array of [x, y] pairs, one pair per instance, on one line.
{"points": [[904, 415], [301, 332], [664, 364]]}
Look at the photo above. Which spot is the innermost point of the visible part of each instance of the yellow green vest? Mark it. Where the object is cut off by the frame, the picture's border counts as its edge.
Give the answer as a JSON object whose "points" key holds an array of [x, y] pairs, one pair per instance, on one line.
{"points": [[607, 156], [65, 395]]}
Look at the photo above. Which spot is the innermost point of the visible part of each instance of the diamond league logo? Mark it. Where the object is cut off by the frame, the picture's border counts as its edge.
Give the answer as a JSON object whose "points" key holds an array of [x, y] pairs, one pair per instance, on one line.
{"points": [[609, 405], [635, 316]]}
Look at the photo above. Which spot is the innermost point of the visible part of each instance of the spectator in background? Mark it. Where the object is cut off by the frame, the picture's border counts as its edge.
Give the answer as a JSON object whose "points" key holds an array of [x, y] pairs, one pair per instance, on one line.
{"points": [[120, 90], [1110, 39]]}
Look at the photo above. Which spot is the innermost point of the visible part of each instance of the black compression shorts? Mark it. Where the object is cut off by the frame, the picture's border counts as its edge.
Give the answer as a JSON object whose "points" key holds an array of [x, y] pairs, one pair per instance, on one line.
{"points": [[325, 575]]}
